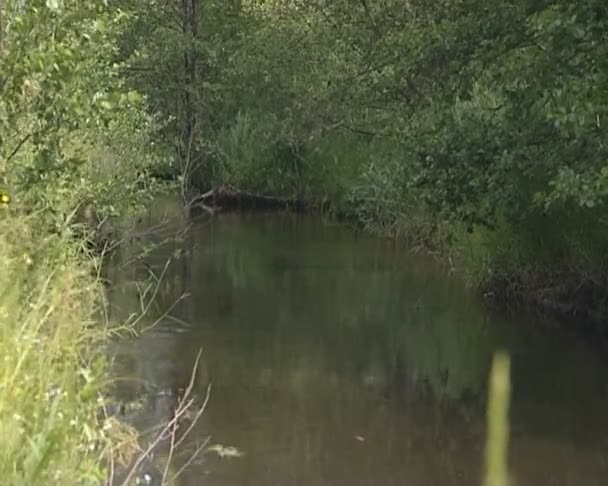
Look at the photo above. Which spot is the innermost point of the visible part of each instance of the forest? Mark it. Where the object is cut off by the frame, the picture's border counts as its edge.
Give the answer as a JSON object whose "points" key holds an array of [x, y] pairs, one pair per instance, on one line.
{"points": [[472, 130]]}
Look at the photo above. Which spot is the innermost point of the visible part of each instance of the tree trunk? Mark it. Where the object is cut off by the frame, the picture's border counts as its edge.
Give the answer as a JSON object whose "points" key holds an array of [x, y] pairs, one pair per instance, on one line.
{"points": [[190, 26]]}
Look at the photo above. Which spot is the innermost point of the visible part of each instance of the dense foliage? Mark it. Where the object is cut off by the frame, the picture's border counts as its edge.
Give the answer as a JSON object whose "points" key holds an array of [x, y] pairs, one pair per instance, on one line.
{"points": [[437, 120], [74, 149], [71, 134]]}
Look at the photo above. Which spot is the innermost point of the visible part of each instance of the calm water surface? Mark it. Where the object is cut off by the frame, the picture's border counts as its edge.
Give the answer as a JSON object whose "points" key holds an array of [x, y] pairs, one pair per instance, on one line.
{"points": [[342, 360]]}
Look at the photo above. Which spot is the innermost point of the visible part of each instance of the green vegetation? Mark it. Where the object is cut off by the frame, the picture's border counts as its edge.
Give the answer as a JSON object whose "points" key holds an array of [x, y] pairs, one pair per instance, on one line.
{"points": [[73, 155], [476, 128], [50, 380], [473, 128]]}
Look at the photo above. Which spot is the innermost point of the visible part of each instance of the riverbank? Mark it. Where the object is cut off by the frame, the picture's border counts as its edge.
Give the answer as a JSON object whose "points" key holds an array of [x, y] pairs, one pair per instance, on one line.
{"points": [[494, 262], [73, 137], [507, 274], [52, 377]]}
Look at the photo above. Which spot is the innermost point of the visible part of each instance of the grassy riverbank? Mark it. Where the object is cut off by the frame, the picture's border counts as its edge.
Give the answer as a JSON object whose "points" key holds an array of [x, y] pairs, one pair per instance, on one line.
{"points": [[74, 155], [50, 380]]}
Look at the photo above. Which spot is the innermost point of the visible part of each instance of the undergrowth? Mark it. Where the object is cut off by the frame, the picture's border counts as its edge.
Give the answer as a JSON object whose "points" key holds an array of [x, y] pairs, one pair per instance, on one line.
{"points": [[51, 376]]}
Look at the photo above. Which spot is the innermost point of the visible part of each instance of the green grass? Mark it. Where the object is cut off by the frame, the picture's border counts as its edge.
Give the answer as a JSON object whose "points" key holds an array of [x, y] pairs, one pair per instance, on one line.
{"points": [[50, 382]]}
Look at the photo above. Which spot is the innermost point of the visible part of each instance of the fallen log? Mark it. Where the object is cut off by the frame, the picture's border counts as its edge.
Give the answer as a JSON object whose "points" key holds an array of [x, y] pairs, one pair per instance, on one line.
{"points": [[227, 198]]}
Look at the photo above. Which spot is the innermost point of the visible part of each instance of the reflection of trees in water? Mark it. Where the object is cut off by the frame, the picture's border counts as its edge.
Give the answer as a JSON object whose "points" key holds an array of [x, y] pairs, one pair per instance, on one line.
{"points": [[407, 333], [312, 338], [449, 355]]}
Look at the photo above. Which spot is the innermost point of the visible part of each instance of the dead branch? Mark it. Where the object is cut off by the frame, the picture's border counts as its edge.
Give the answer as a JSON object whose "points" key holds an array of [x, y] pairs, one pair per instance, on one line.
{"points": [[184, 404], [226, 198]]}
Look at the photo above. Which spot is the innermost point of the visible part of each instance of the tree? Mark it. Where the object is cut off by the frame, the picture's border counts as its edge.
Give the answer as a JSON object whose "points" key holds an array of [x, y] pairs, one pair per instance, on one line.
{"points": [[64, 111]]}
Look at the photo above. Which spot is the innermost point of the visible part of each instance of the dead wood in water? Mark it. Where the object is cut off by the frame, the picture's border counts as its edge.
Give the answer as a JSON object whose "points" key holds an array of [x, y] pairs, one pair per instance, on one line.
{"points": [[227, 198]]}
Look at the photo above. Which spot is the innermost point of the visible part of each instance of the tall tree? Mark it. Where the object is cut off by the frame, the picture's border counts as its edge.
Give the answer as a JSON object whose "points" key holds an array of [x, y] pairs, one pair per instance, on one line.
{"points": [[190, 21]]}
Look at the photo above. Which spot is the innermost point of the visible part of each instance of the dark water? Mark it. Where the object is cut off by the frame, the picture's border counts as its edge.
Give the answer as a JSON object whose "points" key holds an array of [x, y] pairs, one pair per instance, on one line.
{"points": [[342, 360]]}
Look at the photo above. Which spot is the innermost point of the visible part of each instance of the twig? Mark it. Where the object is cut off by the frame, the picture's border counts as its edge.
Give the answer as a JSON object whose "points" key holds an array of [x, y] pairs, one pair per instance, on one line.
{"points": [[178, 414], [196, 417], [202, 197], [189, 461], [183, 405], [18, 147], [170, 457]]}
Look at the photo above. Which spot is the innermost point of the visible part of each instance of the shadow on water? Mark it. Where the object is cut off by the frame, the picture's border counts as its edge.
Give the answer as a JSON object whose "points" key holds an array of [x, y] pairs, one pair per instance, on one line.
{"points": [[339, 360]]}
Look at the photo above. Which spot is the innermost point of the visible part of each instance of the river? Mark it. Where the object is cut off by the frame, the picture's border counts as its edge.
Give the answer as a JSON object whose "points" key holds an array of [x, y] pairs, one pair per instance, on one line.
{"points": [[339, 359]]}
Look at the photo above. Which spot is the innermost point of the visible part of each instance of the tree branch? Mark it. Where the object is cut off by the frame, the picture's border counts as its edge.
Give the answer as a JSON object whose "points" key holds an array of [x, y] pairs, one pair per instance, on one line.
{"points": [[18, 147]]}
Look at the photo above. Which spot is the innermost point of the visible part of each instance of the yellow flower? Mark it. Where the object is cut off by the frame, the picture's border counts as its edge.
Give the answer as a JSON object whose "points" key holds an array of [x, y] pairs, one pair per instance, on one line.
{"points": [[4, 198]]}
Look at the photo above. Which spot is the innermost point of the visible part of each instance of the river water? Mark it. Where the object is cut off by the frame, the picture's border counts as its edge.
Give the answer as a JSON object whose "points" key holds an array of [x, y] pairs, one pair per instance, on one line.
{"points": [[342, 360]]}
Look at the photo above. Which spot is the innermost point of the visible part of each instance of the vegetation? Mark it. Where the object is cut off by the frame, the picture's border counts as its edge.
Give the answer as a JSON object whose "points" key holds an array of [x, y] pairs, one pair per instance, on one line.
{"points": [[50, 378], [473, 127], [73, 154]]}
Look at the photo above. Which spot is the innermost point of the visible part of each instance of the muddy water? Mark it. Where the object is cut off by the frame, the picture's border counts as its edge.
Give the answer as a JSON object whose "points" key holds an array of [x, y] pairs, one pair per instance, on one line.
{"points": [[342, 360]]}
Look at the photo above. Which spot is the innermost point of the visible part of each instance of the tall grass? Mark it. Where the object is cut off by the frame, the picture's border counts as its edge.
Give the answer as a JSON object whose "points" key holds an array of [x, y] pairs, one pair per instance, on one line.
{"points": [[49, 378]]}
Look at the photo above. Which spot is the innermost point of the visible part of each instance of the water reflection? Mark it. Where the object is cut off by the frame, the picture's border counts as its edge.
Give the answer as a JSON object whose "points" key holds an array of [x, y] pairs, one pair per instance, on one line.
{"points": [[341, 360]]}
